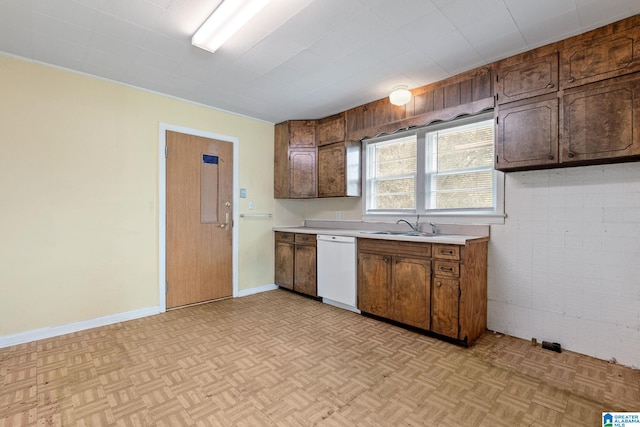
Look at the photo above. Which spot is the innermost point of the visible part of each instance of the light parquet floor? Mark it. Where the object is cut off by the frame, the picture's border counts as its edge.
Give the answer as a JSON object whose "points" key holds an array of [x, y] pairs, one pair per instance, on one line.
{"points": [[279, 359]]}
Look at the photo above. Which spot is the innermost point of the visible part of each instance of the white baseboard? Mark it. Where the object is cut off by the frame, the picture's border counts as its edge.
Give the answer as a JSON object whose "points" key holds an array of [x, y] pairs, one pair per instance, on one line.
{"points": [[54, 331], [251, 291]]}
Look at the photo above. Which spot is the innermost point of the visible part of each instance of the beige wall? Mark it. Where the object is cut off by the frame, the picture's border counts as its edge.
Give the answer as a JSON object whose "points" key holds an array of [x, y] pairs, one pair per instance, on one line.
{"points": [[79, 194], [294, 212]]}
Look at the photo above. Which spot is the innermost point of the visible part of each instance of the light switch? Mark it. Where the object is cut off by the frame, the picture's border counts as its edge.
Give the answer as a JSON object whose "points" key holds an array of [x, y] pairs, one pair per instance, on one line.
{"points": [[243, 193], [251, 204]]}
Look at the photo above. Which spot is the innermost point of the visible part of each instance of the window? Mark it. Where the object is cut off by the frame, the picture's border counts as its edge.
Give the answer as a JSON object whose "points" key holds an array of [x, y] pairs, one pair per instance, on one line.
{"points": [[446, 168]]}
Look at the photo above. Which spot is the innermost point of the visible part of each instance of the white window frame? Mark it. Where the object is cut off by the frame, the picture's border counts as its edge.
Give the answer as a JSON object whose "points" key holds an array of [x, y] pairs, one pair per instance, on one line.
{"points": [[468, 216]]}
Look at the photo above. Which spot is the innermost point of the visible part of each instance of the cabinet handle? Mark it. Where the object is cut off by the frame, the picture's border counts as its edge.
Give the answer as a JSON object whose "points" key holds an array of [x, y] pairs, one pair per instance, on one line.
{"points": [[450, 269], [570, 154], [550, 85], [446, 252], [571, 80]]}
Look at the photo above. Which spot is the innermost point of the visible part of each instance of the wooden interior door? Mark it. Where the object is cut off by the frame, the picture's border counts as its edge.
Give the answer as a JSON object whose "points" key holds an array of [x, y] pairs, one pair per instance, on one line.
{"points": [[199, 219]]}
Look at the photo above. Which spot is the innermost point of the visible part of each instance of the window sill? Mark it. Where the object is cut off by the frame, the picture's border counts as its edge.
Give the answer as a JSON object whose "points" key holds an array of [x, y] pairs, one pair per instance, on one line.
{"points": [[445, 218]]}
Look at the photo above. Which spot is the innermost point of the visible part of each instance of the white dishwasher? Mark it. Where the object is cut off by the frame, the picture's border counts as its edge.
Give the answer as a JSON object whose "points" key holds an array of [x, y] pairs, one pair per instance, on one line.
{"points": [[337, 282]]}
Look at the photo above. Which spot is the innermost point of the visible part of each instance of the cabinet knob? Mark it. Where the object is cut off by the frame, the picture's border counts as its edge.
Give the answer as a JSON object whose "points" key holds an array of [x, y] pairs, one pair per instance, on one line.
{"points": [[550, 157], [570, 154], [550, 85], [438, 284], [571, 80]]}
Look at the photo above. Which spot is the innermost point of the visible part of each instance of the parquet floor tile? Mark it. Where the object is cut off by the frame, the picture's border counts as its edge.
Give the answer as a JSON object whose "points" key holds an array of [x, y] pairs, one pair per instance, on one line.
{"points": [[279, 359]]}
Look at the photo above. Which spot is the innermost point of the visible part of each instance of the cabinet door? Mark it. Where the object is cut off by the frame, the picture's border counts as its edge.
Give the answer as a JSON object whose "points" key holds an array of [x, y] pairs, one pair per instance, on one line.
{"points": [[528, 79], [305, 270], [302, 133], [331, 129], [374, 285], [284, 265], [444, 307], [588, 58], [331, 170], [602, 120], [302, 174], [411, 290], [527, 134]]}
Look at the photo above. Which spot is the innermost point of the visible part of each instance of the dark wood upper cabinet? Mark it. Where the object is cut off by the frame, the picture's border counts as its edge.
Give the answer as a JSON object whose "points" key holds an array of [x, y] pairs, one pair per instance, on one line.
{"points": [[602, 120], [302, 133], [339, 169], [295, 156], [572, 102], [331, 129], [600, 54], [527, 133], [302, 173], [527, 78]]}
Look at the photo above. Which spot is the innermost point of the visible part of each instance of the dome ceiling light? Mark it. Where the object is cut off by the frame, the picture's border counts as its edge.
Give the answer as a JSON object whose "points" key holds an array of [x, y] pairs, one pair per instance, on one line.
{"points": [[400, 95]]}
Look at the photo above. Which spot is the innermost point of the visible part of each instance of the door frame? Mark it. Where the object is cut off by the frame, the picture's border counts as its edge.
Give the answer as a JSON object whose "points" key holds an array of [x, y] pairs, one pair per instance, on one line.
{"points": [[162, 205]]}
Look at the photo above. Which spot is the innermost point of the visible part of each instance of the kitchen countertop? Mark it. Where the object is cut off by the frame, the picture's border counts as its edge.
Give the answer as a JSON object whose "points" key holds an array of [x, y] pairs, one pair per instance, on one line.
{"points": [[454, 239]]}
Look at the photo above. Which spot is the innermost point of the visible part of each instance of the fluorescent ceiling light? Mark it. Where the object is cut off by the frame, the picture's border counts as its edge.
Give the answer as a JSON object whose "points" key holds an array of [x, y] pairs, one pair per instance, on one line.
{"points": [[228, 18]]}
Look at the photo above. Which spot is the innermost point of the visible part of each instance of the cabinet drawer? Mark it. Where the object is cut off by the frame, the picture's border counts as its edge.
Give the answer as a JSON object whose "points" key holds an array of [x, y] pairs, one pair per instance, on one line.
{"points": [[394, 247], [446, 252], [446, 268], [309, 239], [284, 237]]}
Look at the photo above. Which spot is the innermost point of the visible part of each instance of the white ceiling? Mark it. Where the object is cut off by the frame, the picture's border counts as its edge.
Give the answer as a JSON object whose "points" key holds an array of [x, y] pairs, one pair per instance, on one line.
{"points": [[296, 59]]}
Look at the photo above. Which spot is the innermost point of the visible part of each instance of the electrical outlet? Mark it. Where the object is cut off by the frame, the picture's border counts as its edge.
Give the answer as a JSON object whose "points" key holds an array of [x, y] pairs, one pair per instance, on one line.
{"points": [[251, 204]]}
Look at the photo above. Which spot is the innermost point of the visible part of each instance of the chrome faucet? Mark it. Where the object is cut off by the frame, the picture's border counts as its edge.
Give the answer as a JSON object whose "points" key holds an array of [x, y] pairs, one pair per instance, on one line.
{"points": [[413, 227], [433, 227]]}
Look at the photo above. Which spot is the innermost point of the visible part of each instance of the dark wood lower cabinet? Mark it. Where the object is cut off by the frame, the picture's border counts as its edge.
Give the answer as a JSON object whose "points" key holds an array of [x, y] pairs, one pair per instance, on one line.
{"points": [[411, 291], [284, 263], [295, 262], [374, 283], [435, 287], [445, 300], [394, 281], [305, 269]]}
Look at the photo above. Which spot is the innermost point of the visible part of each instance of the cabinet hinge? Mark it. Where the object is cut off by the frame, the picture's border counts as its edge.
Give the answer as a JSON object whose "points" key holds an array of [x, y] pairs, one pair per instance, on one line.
{"points": [[497, 120], [497, 95], [166, 151], [497, 159], [497, 77]]}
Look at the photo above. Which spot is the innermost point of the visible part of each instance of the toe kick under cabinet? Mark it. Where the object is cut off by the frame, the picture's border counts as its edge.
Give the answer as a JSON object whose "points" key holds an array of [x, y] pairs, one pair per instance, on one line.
{"points": [[441, 288]]}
